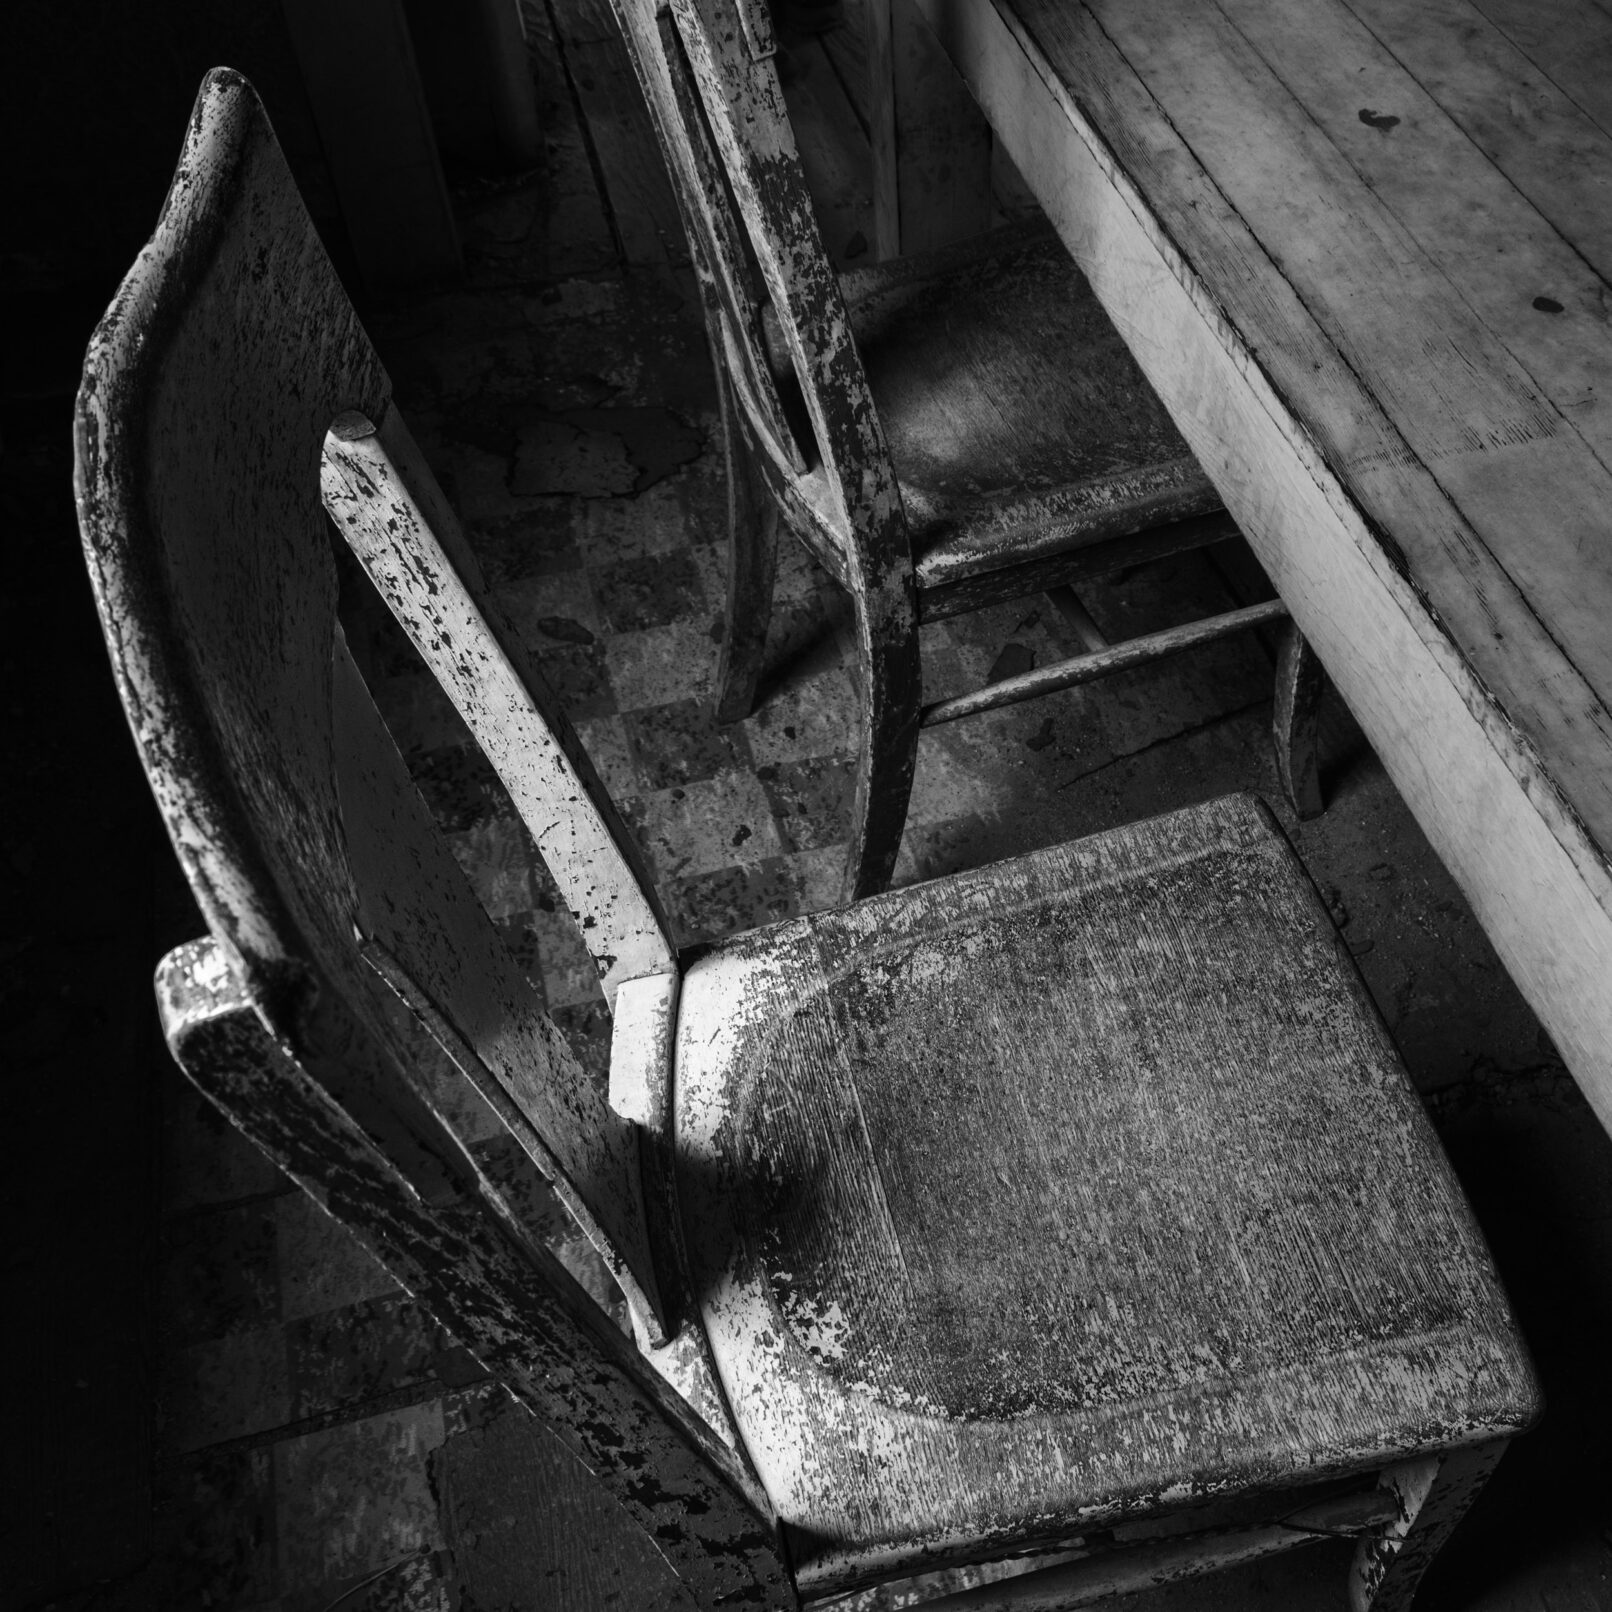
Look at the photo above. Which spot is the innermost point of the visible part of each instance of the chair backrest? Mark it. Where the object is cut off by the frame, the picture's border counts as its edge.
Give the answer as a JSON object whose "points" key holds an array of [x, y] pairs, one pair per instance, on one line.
{"points": [[204, 428], [773, 301]]}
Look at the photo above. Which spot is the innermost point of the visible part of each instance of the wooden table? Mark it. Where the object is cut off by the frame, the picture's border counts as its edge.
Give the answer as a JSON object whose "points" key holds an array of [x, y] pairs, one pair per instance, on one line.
{"points": [[1362, 250]]}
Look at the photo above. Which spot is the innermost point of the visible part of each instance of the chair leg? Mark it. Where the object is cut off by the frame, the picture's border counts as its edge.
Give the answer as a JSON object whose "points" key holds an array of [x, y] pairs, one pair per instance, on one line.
{"points": [[1295, 722], [752, 568], [1433, 1497], [890, 688]]}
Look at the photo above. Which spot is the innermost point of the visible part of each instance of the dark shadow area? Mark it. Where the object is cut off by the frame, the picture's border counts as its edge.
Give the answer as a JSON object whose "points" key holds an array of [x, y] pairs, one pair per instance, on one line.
{"points": [[92, 897]]}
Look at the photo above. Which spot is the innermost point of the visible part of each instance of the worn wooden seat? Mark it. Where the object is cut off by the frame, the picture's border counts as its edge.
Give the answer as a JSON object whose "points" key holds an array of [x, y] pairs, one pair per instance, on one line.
{"points": [[943, 433], [1078, 1180], [1076, 1204], [1018, 424]]}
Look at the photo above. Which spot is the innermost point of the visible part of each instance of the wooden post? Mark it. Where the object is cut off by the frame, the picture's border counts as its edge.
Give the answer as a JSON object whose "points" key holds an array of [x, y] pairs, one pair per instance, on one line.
{"points": [[931, 143], [358, 66]]}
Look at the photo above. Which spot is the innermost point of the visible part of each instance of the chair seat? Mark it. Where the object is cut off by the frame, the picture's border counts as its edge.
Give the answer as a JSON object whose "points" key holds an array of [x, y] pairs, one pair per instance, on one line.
{"points": [[1081, 1185], [1019, 424]]}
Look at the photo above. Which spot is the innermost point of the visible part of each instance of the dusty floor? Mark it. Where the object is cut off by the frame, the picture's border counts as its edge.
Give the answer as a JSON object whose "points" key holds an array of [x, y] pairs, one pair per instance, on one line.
{"points": [[318, 1443]]}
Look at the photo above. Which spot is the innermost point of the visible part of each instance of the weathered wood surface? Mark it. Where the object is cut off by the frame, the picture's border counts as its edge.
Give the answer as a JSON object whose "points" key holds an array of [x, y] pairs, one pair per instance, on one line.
{"points": [[1064, 569], [833, 146], [419, 927], [202, 420], [1361, 251], [358, 66], [1078, 1186], [1018, 422], [1433, 1494], [399, 544]]}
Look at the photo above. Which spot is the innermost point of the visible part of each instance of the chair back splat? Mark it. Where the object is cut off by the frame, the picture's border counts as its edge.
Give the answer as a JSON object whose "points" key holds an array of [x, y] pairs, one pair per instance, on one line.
{"points": [[354, 1010]]}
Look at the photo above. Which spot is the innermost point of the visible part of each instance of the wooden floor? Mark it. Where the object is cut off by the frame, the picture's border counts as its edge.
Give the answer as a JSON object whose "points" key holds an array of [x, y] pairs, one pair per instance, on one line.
{"points": [[321, 1444]]}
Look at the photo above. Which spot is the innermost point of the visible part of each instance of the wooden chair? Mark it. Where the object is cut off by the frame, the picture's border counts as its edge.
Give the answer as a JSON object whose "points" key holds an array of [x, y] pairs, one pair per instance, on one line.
{"points": [[943, 433], [1074, 1205]]}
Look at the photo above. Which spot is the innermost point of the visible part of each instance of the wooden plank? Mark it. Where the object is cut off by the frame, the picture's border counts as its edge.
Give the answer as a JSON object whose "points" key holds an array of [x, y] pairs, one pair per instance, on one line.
{"points": [[1442, 190], [834, 154], [1524, 122], [847, 47], [1227, 358], [925, 125], [643, 211], [1566, 39], [1432, 363], [850, 48], [879, 98], [358, 65]]}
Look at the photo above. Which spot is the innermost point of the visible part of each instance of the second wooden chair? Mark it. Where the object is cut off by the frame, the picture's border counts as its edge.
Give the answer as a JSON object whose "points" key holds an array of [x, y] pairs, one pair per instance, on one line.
{"points": [[943, 433]]}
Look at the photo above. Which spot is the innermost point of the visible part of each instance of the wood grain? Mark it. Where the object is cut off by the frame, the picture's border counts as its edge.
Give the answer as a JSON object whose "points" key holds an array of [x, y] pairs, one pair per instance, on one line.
{"points": [[936, 167], [1067, 1190], [510, 717]]}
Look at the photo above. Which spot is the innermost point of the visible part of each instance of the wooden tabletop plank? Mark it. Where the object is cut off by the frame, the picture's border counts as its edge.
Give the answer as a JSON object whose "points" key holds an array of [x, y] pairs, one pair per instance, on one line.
{"points": [[1522, 120], [1309, 325], [1435, 359], [1567, 39], [1478, 229]]}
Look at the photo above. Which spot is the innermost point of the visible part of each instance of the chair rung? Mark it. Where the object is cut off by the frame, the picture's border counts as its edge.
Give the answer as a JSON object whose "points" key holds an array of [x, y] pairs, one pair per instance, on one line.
{"points": [[1168, 1561], [1087, 668]]}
